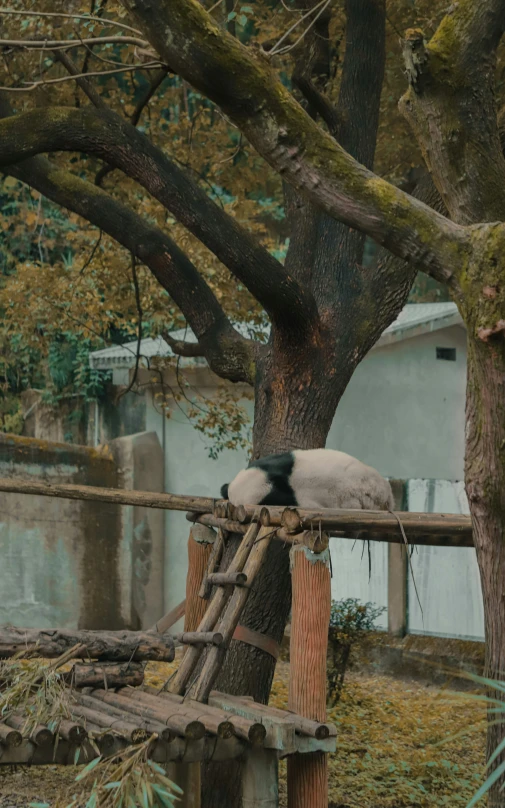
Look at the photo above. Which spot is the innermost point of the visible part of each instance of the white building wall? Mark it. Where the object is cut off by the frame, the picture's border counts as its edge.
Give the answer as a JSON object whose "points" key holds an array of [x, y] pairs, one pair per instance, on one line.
{"points": [[447, 578], [404, 410]]}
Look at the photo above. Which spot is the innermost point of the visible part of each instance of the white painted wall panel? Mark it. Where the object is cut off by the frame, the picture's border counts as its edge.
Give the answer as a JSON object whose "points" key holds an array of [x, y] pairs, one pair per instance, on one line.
{"points": [[351, 565], [447, 578]]}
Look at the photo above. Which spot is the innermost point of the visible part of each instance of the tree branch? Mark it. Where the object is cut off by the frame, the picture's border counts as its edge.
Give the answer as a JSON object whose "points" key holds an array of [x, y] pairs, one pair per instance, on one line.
{"points": [[85, 85], [105, 134], [182, 348], [256, 101], [451, 107], [229, 354]]}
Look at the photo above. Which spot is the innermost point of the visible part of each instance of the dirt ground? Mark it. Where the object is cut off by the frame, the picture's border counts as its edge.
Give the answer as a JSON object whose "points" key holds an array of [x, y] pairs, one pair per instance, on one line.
{"points": [[400, 745]]}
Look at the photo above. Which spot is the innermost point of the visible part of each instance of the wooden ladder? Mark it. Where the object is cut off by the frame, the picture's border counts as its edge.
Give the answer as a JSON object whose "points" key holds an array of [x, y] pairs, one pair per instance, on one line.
{"points": [[219, 622]]}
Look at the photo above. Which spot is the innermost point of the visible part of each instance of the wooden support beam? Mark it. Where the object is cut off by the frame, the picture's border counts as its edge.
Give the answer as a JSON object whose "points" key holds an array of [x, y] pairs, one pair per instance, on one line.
{"points": [[89, 493], [200, 544], [311, 587], [397, 589], [114, 646], [260, 779], [418, 530], [171, 617], [212, 565]]}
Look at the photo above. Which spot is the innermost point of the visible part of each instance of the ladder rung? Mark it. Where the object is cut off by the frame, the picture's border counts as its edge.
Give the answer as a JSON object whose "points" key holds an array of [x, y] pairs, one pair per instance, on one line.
{"points": [[227, 579], [200, 638]]}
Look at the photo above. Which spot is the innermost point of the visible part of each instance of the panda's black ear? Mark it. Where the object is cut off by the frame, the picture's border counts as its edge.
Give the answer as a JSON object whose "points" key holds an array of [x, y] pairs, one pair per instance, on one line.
{"points": [[224, 491]]}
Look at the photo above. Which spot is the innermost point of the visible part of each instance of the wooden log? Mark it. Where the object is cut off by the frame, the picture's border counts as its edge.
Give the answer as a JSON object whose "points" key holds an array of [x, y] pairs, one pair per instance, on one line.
{"points": [[40, 735], [212, 564], [129, 711], [200, 638], [311, 599], [228, 525], [104, 740], [89, 493], [252, 731], [10, 736], [260, 779], [230, 618], [200, 544], [178, 718], [211, 722], [126, 729], [227, 579], [209, 620], [304, 726], [221, 509], [115, 646], [423, 538], [109, 675], [74, 733], [166, 622]]}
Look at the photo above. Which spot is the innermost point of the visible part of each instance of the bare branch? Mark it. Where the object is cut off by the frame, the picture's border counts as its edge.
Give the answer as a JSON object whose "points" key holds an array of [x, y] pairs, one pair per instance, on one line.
{"points": [[83, 83], [142, 103], [86, 17], [58, 44], [251, 95], [44, 82], [108, 136], [182, 348]]}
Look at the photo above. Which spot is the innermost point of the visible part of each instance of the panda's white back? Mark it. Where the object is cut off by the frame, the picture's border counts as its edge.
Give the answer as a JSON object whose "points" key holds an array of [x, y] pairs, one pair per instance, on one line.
{"points": [[327, 478]]}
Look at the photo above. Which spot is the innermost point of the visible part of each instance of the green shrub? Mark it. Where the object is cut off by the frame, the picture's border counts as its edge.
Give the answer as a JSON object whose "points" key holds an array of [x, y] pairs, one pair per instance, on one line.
{"points": [[349, 621]]}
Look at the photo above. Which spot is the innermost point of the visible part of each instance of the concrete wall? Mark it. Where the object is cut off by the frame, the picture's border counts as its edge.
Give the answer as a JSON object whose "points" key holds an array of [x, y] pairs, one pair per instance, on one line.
{"points": [[74, 564], [404, 410], [188, 470]]}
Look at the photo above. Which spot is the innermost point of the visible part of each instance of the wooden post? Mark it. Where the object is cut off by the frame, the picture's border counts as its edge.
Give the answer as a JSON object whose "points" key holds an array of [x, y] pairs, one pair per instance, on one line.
{"points": [[310, 572], [397, 571], [397, 590], [200, 542], [260, 788]]}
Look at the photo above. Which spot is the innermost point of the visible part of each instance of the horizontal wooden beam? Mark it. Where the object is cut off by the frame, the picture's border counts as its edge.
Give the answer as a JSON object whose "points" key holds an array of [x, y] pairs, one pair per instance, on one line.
{"points": [[89, 493], [417, 531]]}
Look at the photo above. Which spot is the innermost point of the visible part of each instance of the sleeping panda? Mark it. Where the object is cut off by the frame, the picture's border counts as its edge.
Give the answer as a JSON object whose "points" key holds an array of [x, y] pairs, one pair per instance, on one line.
{"points": [[310, 478]]}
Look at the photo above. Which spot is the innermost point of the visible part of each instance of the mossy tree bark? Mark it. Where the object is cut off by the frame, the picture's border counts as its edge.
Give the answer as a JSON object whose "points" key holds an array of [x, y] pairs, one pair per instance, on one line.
{"points": [[325, 308], [450, 105]]}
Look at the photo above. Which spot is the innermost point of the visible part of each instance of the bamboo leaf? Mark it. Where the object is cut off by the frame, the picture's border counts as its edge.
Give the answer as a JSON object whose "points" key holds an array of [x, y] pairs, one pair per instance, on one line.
{"points": [[88, 768], [493, 777]]}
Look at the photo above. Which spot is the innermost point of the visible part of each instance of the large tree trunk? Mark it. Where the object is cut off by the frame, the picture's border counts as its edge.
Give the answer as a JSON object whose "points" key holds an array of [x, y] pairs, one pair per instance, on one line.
{"points": [[485, 486], [295, 401]]}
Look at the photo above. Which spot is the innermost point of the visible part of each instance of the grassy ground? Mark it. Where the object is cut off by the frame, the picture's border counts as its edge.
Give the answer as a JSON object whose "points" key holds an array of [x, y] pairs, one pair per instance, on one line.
{"points": [[390, 752]]}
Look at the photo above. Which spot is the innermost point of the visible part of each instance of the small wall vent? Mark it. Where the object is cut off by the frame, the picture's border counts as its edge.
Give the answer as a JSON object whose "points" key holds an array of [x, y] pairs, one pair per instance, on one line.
{"points": [[449, 354]]}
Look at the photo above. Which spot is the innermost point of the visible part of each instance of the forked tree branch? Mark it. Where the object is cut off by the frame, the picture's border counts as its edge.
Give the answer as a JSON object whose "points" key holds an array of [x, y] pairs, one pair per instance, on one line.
{"points": [[451, 108], [248, 91], [182, 348], [105, 134], [229, 354]]}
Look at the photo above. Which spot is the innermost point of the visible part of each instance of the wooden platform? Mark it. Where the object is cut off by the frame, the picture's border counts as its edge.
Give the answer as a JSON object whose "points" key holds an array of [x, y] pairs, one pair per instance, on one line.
{"points": [[224, 729]]}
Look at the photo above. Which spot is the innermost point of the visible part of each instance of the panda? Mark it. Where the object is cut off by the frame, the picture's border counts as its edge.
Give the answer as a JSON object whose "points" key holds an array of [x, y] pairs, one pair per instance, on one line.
{"points": [[312, 479]]}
